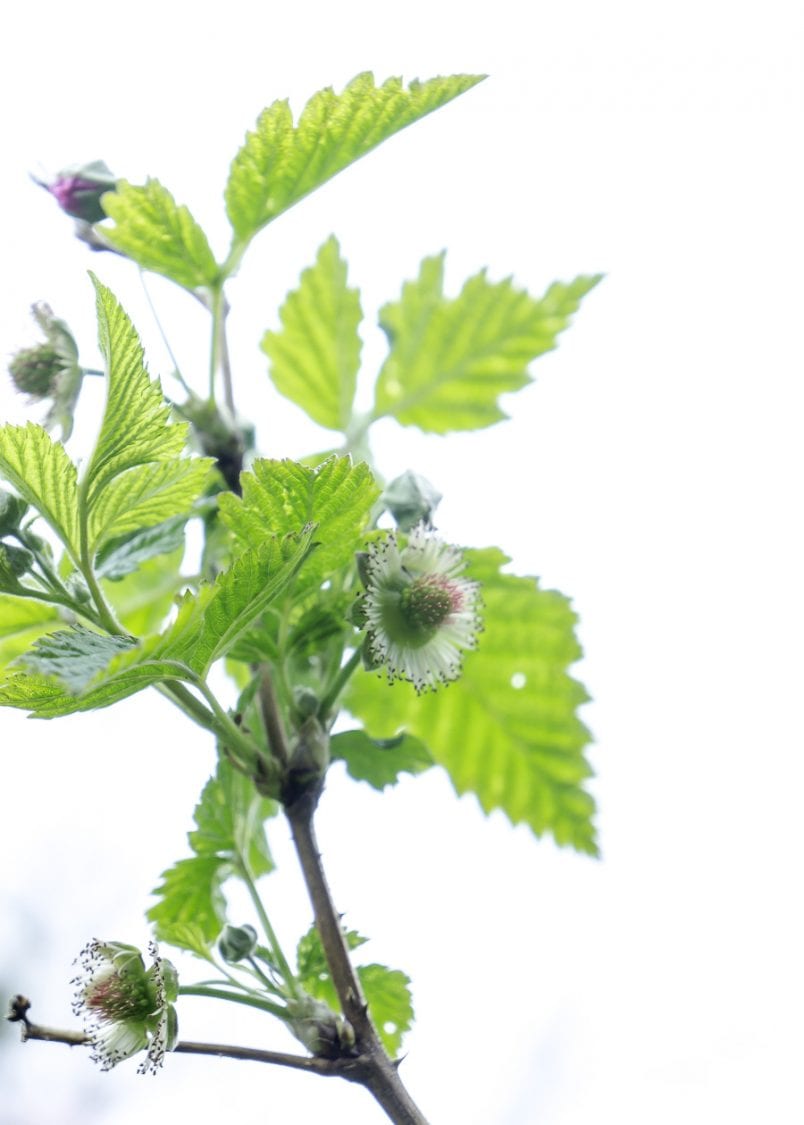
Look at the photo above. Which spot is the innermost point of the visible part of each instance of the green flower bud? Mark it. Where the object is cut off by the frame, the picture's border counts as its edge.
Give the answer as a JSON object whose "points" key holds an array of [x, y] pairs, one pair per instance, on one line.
{"points": [[16, 560], [305, 702], [326, 1034], [35, 371], [237, 942], [411, 500], [12, 511]]}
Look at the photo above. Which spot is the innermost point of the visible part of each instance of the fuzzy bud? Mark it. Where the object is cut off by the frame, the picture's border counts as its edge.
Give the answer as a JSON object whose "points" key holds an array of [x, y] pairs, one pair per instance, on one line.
{"points": [[411, 500], [78, 190]]}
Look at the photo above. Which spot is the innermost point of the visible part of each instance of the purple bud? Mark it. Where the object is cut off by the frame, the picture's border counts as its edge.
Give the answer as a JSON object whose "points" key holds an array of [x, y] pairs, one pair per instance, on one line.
{"points": [[78, 190]]}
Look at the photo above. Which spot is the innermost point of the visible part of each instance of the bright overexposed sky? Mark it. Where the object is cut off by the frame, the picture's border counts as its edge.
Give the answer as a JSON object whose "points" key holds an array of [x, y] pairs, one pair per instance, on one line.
{"points": [[653, 473]]}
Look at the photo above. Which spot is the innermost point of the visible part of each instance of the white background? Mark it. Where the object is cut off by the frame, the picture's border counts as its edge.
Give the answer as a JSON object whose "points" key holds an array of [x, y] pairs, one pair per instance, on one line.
{"points": [[654, 473]]}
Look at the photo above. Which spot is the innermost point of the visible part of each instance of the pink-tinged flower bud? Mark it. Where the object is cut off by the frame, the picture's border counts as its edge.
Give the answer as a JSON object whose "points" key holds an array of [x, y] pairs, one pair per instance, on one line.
{"points": [[78, 190]]}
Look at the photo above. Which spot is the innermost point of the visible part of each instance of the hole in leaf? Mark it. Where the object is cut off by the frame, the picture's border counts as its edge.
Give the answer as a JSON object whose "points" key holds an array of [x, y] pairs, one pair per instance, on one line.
{"points": [[323, 975], [389, 1027], [518, 680]]}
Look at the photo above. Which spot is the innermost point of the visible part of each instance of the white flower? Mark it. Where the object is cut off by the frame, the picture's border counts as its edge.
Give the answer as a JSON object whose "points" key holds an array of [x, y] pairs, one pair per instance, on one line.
{"points": [[126, 1007], [420, 614]]}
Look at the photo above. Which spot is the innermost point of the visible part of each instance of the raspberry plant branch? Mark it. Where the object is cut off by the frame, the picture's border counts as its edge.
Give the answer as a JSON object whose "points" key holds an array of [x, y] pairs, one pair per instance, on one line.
{"points": [[312, 602]]}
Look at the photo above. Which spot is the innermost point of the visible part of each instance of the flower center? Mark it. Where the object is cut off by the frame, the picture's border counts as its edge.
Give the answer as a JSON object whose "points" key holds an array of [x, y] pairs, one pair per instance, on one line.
{"points": [[119, 998], [428, 601]]}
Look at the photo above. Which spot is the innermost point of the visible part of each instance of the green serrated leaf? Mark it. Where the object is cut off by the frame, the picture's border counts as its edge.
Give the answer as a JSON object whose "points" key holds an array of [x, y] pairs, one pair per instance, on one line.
{"points": [[191, 893], [22, 620], [390, 1006], [43, 474], [211, 622], [280, 162], [152, 230], [313, 972], [451, 359], [521, 742], [145, 496], [135, 429], [207, 625], [230, 817], [229, 833], [126, 554], [316, 356], [282, 496], [75, 655], [143, 598], [130, 672], [380, 761], [187, 935]]}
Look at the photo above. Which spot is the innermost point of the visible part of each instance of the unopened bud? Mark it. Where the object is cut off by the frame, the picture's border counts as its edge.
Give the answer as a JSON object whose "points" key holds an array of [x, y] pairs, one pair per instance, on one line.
{"points": [[411, 500], [78, 190], [15, 561], [35, 371], [323, 1032], [12, 510], [237, 942]]}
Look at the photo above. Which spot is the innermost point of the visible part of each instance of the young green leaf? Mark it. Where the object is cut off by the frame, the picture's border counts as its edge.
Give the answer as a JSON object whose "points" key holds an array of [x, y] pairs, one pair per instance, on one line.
{"points": [[191, 893], [520, 747], [152, 230], [143, 598], [190, 935], [229, 836], [135, 428], [75, 655], [229, 817], [380, 761], [390, 1004], [145, 496], [43, 474], [126, 554], [212, 622], [316, 355], [207, 625], [282, 496], [280, 162], [22, 620], [451, 359]]}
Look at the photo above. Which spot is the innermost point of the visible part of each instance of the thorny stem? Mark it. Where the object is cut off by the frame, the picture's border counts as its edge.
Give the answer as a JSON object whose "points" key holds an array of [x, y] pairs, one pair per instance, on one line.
{"points": [[381, 1077]]}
